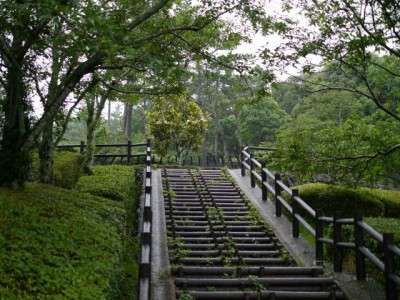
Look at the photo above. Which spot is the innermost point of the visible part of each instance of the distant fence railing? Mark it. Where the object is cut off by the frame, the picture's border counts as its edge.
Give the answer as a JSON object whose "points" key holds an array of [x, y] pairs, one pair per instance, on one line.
{"points": [[210, 161], [300, 211], [126, 153], [144, 287]]}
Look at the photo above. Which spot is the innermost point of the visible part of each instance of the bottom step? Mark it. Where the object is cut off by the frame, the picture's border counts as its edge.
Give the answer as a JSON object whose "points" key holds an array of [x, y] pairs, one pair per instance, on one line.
{"points": [[247, 295]]}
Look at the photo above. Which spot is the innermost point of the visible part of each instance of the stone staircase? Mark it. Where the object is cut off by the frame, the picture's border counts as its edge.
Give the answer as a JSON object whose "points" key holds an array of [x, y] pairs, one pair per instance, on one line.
{"points": [[221, 248]]}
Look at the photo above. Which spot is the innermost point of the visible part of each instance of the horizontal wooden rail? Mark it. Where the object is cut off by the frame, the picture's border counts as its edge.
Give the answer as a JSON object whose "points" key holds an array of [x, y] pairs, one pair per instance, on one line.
{"points": [[274, 185], [128, 154]]}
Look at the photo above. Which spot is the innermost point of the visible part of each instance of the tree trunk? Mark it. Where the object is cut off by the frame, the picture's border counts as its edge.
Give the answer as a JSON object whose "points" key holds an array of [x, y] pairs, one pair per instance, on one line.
{"points": [[94, 111], [204, 152], [109, 115], [128, 120], [221, 134], [47, 145], [46, 154], [239, 135], [14, 160], [89, 154], [201, 104]]}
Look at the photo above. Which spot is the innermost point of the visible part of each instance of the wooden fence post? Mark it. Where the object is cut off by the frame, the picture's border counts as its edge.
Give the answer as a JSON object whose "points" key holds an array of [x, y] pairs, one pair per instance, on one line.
{"points": [[389, 261], [242, 158], [82, 147], [278, 189], [264, 189], [359, 242], [319, 232], [129, 145], [295, 210], [252, 177], [337, 237]]}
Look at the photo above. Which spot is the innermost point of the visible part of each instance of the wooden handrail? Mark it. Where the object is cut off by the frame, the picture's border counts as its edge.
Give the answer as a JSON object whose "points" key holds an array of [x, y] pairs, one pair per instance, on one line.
{"points": [[360, 228]]}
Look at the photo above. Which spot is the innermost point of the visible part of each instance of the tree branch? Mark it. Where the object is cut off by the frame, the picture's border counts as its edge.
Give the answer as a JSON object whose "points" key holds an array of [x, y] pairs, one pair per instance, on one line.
{"points": [[148, 14], [368, 157], [70, 111]]}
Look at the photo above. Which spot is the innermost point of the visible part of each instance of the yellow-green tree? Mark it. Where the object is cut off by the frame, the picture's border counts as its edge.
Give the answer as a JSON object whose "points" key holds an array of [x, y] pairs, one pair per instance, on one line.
{"points": [[177, 123]]}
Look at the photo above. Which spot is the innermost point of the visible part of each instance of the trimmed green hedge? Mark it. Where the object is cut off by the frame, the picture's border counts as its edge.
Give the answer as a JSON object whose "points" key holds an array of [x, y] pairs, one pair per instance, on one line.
{"points": [[331, 198], [58, 244], [123, 184], [386, 225], [113, 182], [390, 200]]}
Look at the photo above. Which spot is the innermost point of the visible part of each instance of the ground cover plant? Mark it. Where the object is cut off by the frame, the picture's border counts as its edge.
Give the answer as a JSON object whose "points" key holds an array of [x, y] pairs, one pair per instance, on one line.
{"points": [[67, 244]]}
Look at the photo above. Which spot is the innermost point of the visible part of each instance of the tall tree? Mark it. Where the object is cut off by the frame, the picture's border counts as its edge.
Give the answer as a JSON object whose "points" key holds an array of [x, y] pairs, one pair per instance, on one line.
{"points": [[94, 36], [360, 40]]}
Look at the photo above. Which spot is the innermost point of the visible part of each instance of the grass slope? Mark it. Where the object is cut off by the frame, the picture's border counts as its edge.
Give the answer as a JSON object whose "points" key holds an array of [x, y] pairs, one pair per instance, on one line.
{"points": [[65, 244]]}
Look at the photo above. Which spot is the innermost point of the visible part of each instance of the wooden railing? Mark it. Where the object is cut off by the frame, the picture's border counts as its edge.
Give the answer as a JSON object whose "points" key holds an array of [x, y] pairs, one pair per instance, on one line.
{"points": [[300, 212], [127, 154], [144, 286]]}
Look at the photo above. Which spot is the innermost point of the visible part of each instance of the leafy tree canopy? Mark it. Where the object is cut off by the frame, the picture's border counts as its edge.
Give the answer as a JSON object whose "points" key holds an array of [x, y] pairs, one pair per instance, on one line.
{"points": [[50, 50], [178, 123]]}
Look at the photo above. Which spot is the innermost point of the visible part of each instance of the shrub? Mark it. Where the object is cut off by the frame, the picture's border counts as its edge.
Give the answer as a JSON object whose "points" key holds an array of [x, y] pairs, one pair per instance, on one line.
{"points": [[121, 183], [113, 182], [390, 200], [331, 198], [67, 167]]}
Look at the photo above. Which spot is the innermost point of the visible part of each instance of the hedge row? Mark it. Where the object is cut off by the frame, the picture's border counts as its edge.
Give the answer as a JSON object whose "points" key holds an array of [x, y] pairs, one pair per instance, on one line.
{"points": [[331, 198]]}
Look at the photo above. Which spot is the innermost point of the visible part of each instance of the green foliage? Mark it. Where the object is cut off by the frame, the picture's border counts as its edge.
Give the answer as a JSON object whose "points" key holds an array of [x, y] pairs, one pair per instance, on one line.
{"points": [[390, 200], [57, 244], [113, 182], [260, 121], [68, 244], [331, 198], [320, 134], [67, 167], [391, 225], [176, 122]]}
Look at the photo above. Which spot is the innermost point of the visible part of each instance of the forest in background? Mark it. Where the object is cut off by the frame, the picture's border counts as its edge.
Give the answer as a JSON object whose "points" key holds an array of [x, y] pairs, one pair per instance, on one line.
{"points": [[338, 118], [315, 131]]}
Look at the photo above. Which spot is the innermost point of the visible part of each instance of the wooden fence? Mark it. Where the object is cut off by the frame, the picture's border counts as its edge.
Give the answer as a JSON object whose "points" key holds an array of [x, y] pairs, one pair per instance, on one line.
{"points": [[126, 155], [300, 211], [126, 151]]}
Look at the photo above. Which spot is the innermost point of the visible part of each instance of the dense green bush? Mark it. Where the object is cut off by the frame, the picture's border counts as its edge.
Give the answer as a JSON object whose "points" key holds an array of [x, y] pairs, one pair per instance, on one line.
{"points": [[391, 201], [67, 167], [121, 183], [58, 244], [112, 181], [382, 207], [331, 198]]}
